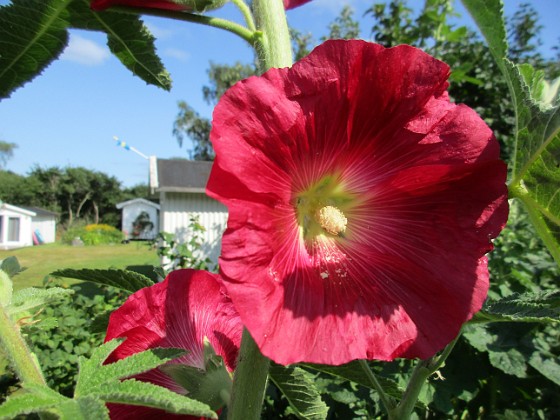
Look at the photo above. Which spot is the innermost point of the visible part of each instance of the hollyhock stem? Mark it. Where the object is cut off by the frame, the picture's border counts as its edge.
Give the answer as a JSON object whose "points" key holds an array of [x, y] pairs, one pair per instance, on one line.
{"points": [[423, 370], [249, 381], [387, 402], [246, 12], [275, 49], [18, 353], [235, 28]]}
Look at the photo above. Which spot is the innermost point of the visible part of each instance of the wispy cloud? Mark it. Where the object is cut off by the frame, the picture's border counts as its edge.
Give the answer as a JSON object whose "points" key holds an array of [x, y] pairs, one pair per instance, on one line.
{"points": [[84, 51], [176, 53]]}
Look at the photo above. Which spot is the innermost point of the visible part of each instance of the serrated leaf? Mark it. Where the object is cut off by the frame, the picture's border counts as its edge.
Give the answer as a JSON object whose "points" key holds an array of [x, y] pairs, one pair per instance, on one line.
{"points": [[128, 39], [100, 322], [527, 307], [122, 279], [83, 408], [32, 35], [11, 266], [93, 373], [29, 298], [6, 289], [40, 398], [297, 386], [134, 392], [536, 167]]}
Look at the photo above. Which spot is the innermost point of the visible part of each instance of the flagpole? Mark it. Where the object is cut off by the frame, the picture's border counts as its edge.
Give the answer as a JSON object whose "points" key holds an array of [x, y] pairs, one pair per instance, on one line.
{"points": [[127, 147]]}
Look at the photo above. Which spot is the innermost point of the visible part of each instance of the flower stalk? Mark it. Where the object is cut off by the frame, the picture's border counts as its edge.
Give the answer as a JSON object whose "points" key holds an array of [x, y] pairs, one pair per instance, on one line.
{"points": [[15, 347]]}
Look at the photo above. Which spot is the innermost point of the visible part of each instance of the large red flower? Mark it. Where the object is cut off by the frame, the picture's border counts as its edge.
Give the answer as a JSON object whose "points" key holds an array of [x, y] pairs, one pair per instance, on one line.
{"points": [[188, 6], [361, 205], [179, 313], [290, 4]]}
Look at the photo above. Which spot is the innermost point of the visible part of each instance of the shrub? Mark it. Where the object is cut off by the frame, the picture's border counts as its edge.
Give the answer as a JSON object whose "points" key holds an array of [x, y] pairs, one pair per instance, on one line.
{"points": [[95, 234]]}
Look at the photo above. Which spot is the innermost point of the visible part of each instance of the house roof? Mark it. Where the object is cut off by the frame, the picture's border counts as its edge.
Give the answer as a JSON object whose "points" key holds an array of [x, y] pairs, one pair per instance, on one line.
{"points": [[21, 210], [137, 201], [39, 211], [178, 175]]}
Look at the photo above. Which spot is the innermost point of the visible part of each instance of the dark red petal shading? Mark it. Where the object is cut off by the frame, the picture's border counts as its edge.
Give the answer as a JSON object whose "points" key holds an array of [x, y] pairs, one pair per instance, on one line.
{"points": [[290, 4], [149, 4], [411, 268], [178, 312]]}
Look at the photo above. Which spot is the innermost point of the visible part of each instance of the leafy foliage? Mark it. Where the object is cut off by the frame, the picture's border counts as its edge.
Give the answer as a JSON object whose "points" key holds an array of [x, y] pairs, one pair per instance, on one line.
{"points": [[130, 281]]}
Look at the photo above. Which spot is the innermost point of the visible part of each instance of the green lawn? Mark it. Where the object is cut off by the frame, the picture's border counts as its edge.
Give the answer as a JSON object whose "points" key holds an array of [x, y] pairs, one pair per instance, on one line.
{"points": [[42, 260]]}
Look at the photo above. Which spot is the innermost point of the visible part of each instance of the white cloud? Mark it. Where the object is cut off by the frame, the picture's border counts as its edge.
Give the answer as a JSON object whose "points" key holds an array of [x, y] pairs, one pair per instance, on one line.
{"points": [[176, 53], [83, 51]]}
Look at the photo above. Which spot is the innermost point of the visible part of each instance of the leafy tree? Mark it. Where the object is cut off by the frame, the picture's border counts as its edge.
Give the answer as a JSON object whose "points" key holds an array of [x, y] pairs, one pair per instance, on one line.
{"points": [[6, 152], [17, 189]]}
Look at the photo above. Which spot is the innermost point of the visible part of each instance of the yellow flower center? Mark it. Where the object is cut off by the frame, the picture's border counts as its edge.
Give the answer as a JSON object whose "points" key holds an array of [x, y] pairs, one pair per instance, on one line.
{"points": [[331, 219]]}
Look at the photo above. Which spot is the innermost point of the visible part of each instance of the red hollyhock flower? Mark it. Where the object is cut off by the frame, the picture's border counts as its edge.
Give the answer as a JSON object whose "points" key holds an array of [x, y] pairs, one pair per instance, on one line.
{"points": [[150, 4], [361, 204], [179, 313], [290, 4]]}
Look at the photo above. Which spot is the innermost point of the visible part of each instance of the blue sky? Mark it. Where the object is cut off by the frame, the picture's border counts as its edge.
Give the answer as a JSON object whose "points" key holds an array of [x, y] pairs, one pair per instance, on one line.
{"points": [[68, 115]]}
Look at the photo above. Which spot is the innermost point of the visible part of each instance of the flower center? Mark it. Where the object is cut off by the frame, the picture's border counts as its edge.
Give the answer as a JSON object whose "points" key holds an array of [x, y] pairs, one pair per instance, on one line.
{"points": [[331, 219]]}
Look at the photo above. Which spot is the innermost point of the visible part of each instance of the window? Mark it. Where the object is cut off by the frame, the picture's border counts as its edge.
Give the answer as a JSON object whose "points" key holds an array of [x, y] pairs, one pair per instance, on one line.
{"points": [[13, 229]]}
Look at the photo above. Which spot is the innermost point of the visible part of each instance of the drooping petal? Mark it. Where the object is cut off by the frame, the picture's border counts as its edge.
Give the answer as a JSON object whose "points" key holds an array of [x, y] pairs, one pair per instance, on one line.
{"points": [[371, 132], [290, 4], [99, 5]]}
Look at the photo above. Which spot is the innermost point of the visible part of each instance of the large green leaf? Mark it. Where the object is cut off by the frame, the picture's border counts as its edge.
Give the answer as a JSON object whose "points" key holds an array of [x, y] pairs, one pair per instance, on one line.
{"points": [[128, 39], [297, 386], [146, 394], [84, 408], [536, 167], [123, 279], [32, 297], [39, 399], [32, 35]]}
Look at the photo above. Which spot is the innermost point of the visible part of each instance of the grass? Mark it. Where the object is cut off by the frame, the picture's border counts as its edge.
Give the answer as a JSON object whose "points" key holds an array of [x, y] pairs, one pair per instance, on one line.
{"points": [[40, 261]]}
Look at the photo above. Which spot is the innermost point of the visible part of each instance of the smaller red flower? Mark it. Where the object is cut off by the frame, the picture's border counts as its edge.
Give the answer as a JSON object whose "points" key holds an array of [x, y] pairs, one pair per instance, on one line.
{"points": [[290, 4], [188, 307], [150, 4]]}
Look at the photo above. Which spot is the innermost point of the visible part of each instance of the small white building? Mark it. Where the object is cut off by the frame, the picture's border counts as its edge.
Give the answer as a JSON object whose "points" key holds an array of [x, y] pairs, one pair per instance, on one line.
{"points": [[140, 218], [43, 225], [181, 185], [15, 227]]}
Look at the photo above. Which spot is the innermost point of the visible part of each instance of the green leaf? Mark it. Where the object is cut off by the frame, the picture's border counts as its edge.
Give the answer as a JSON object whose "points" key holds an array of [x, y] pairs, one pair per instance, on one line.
{"points": [[134, 392], [122, 279], [10, 266], [29, 298], [527, 307], [353, 372], [93, 373], [298, 387], [32, 35], [83, 408], [128, 39], [6, 289], [38, 399], [536, 167]]}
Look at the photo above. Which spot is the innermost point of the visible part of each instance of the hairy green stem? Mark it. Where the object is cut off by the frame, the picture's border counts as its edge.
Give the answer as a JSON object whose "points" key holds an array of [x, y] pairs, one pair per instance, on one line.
{"points": [[249, 381], [387, 402], [246, 12], [227, 25], [274, 48], [423, 370], [15, 347]]}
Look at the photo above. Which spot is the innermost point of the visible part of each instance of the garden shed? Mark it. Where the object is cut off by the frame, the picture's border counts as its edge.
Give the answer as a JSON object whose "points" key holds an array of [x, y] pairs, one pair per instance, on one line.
{"points": [[140, 218], [181, 185], [15, 226], [43, 225]]}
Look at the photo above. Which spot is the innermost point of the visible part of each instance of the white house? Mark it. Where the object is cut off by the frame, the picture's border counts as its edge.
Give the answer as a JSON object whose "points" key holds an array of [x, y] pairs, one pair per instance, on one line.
{"points": [[181, 185], [43, 224], [15, 227], [140, 218]]}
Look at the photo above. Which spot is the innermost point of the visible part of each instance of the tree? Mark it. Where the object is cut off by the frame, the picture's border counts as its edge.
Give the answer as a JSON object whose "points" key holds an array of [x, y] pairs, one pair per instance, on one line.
{"points": [[6, 152]]}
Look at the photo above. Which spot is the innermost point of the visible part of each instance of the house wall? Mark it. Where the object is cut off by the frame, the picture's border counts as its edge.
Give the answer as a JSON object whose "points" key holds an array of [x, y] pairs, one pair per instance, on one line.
{"points": [[176, 209], [24, 239], [131, 212], [46, 225]]}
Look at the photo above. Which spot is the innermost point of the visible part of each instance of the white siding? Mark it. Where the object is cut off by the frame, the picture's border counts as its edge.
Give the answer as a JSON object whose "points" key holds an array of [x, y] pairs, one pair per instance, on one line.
{"points": [[46, 226], [20, 219], [177, 208]]}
